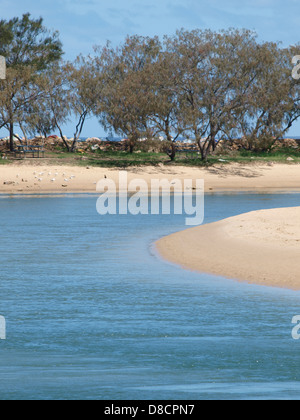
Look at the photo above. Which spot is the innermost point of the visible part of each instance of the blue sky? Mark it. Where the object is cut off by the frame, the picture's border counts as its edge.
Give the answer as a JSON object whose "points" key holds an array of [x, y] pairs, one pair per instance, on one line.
{"points": [[85, 23]]}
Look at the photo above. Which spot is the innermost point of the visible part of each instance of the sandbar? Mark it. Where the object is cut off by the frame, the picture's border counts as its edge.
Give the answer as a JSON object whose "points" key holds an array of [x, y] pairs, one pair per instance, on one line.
{"points": [[260, 247]]}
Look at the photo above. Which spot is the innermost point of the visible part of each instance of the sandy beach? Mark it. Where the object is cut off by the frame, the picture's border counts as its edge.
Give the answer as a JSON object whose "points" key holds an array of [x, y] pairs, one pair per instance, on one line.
{"points": [[27, 177], [260, 247]]}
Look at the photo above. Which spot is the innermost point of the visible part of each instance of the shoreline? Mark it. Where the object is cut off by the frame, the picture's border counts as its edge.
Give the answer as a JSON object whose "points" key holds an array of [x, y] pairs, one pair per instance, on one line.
{"points": [[94, 192], [260, 247], [230, 178], [228, 250]]}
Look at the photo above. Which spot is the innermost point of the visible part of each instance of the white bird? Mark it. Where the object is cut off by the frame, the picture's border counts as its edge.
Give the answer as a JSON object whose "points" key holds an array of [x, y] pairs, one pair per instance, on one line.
{"points": [[66, 180], [52, 180], [40, 179]]}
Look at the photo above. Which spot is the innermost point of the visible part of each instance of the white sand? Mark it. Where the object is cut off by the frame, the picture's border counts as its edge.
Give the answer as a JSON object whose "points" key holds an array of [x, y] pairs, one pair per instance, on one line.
{"points": [[261, 247], [221, 178]]}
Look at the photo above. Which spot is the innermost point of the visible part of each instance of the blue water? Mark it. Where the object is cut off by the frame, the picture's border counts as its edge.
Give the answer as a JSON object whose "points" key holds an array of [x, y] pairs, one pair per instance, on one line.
{"points": [[93, 313]]}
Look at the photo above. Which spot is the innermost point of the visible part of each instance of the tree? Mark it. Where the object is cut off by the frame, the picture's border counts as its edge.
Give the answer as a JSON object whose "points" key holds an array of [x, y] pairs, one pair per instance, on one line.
{"points": [[36, 116], [56, 100], [211, 65], [122, 108], [163, 103], [26, 44], [71, 91], [272, 103], [86, 88], [17, 92]]}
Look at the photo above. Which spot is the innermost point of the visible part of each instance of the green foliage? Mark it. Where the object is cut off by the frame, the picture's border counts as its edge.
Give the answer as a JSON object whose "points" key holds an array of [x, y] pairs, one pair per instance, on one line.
{"points": [[29, 48], [200, 84], [26, 42]]}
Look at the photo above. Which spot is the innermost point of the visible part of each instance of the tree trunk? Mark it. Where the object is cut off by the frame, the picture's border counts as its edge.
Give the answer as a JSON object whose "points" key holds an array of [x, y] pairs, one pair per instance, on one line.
{"points": [[24, 135], [203, 149], [74, 144], [78, 131], [172, 154], [131, 147], [203, 154], [213, 142], [131, 144], [63, 139], [11, 136], [213, 132]]}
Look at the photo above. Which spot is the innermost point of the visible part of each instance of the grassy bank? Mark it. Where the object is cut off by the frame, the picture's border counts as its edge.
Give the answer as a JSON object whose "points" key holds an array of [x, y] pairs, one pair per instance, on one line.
{"points": [[121, 159]]}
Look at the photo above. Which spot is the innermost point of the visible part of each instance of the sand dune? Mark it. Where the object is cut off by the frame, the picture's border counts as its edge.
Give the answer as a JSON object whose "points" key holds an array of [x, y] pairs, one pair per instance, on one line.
{"points": [[261, 247]]}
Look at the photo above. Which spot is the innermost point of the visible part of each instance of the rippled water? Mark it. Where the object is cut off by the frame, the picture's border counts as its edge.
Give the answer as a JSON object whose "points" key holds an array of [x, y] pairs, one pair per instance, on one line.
{"points": [[93, 313]]}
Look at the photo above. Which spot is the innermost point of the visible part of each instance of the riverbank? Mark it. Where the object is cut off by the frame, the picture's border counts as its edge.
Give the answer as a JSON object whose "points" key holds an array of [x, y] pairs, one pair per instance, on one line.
{"points": [[28, 177], [260, 247]]}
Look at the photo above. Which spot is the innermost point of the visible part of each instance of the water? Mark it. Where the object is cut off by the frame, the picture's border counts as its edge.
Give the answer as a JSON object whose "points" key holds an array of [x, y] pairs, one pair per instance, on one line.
{"points": [[93, 313]]}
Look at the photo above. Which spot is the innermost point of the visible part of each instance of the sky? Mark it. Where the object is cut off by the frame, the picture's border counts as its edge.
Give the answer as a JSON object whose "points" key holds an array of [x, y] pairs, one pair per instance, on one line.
{"points": [[83, 24]]}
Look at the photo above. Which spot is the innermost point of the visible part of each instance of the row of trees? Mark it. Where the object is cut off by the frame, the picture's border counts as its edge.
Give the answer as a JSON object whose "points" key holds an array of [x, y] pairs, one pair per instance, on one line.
{"points": [[200, 84]]}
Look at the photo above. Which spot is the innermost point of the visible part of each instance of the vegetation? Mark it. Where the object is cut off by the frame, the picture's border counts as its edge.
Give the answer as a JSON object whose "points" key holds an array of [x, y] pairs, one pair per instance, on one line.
{"points": [[114, 155], [29, 48], [202, 85]]}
